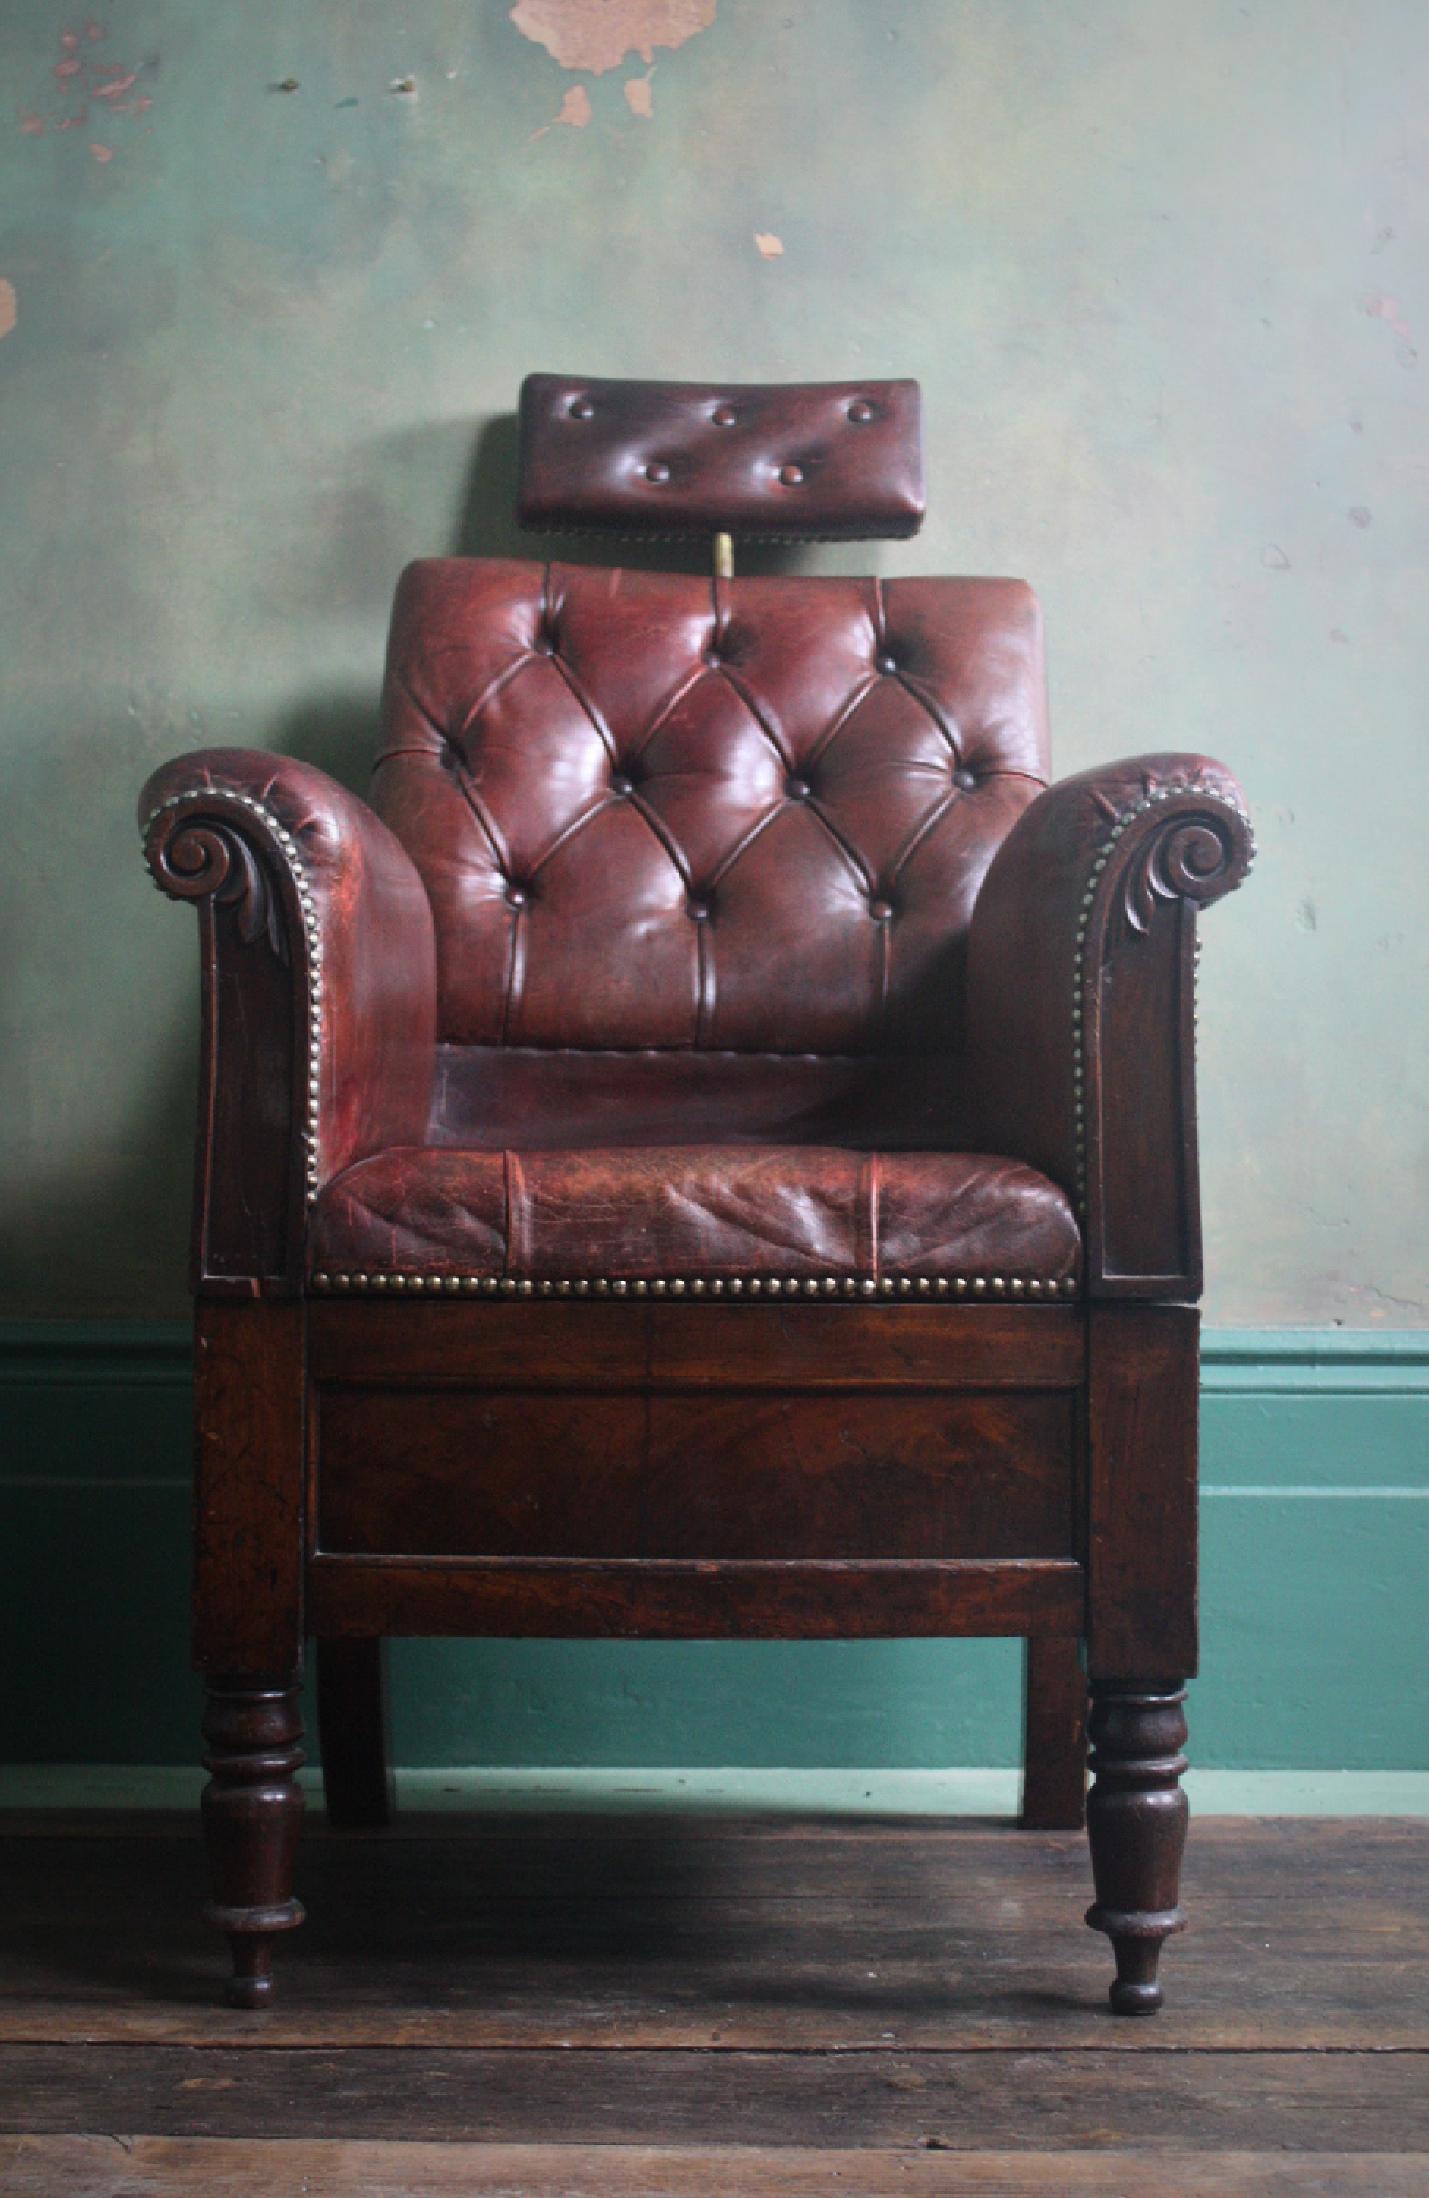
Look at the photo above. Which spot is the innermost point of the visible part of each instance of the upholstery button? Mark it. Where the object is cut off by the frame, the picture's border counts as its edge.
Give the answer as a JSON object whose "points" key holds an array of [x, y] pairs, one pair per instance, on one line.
{"points": [[621, 786], [544, 645], [516, 896], [582, 409], [880, 911], [860, 411], [657, 471], [791, 476], [699, 911], [713, 656], [888, 663], [724, 415], [964, 778], [798, 789]]}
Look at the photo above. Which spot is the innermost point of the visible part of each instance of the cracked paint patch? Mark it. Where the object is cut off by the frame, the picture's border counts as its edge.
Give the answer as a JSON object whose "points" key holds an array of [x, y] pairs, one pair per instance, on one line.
{"points": [[768, 245], [596, 35], [9, 306]]}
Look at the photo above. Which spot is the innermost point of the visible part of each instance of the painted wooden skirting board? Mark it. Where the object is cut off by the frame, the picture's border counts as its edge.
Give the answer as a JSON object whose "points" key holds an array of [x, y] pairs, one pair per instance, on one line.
{"points": [[1315, 1525], [614, 1789]]}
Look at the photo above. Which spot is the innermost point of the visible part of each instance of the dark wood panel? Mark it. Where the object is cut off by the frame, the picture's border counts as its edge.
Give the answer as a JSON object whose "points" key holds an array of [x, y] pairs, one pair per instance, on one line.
{"points": [[692, 1600], [596, 1344], [1352, 2102], [227, 2167], [723, 1476]]}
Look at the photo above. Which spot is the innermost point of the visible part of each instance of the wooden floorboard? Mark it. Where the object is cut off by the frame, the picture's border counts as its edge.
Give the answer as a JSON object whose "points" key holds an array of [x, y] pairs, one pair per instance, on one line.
{"points": [[688, 1932], [703, 2004], [178, 2167], [1339, 2102]]}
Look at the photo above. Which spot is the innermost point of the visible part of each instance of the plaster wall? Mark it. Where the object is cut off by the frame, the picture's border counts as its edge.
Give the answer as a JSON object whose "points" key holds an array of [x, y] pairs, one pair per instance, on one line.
{"points": [[268, 274]]}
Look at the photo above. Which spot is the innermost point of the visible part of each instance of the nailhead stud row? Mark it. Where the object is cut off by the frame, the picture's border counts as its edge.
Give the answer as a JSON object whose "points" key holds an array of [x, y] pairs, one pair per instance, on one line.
{"points": [[288, 847], [1124, 819], [822, 1286]]}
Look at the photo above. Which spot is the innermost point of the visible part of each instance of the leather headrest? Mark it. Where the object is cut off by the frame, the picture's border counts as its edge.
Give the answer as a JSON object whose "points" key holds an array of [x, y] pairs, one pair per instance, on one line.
{"points": [[791, 461]]}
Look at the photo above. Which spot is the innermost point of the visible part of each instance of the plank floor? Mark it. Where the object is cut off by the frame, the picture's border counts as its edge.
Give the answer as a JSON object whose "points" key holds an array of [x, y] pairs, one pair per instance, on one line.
{"points": [[620, 2005]]}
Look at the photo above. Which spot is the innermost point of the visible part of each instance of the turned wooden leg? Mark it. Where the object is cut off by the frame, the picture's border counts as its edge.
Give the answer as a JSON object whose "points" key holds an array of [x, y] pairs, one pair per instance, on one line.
{"points": [[252, 1809], [352, 1731], [1136, 1822], [1054, 1754]]}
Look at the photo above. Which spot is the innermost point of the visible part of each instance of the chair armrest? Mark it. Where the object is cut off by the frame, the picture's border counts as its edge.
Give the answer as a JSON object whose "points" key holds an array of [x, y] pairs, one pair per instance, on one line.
{"points": [[1081, 975], [319, 989]]}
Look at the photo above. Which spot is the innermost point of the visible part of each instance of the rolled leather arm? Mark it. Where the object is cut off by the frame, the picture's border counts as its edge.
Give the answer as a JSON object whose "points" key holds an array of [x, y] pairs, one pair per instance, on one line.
{"points": [[319, 989], [1080, 1002]]}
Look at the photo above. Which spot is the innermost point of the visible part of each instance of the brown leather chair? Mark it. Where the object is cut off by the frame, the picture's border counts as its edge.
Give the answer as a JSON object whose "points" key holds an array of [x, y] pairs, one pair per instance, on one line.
{"points": [[710, 1151]]}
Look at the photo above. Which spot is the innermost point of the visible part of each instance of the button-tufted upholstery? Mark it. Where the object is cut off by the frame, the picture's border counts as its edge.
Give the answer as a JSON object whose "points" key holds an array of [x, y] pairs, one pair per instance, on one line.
{"points": [[702, 858], [775, 460], [656, 811]]}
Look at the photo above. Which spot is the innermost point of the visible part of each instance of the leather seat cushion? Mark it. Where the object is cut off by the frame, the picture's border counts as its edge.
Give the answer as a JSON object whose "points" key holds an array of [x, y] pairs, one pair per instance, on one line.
{"points": [[796, 1213]]}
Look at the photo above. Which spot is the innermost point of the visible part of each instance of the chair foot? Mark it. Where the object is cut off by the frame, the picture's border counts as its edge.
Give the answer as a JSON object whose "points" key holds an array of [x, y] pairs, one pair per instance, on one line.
{"points": [[251, 1984], [1136, 1823], [252, 1811]]}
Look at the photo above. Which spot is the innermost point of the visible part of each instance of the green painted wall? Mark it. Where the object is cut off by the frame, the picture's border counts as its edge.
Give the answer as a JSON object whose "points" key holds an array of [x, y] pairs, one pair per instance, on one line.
{"points": [[1315, 1531], [1160, 267]]}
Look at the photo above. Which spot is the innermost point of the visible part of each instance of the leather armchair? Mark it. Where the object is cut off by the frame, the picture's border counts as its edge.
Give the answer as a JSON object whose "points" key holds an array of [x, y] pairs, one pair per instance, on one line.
{"points": [[709, 1151]]}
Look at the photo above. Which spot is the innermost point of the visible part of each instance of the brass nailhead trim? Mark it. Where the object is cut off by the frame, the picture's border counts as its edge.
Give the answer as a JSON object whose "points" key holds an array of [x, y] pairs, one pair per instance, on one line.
{"points": [[288, 848], [1102, 857], [702, 1286]]}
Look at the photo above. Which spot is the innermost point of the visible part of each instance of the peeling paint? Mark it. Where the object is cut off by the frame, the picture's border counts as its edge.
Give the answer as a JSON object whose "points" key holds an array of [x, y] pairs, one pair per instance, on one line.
{"points": [[9, 306], [1361, 515], [1381, 307], [770, 246], [639, 97], [596, 35], [80, 80], [575, 112], [102, 153]]}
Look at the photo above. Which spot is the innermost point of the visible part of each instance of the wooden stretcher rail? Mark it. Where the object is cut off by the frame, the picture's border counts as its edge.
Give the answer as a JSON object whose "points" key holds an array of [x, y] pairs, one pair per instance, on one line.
{"points": [[689, 1599]]}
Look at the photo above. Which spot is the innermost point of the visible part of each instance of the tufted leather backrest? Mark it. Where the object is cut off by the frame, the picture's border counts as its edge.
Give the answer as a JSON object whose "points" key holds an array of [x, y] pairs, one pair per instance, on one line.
{"points": [[655, 811], [787, 461]]}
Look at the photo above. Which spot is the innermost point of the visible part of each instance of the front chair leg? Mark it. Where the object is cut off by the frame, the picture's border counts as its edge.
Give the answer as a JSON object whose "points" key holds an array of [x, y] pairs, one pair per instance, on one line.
{"points": [[252, 1811], [1136, 1822]]}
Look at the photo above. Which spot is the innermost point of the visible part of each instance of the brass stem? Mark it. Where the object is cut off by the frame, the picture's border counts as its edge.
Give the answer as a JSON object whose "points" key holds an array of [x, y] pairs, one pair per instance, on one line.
{"points": [[724, 556]]}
